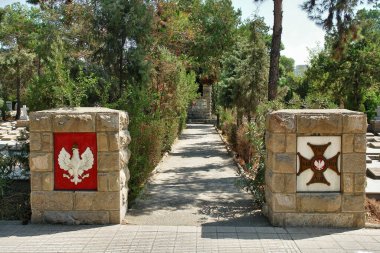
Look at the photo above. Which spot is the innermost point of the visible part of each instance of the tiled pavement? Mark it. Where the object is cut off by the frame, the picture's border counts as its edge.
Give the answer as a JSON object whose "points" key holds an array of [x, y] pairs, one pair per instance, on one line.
{"points": [[129, 238]]}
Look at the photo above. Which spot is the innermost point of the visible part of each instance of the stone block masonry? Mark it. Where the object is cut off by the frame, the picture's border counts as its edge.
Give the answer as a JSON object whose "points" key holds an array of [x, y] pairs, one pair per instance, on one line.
{"points": [[315, 168], [90, 187]]}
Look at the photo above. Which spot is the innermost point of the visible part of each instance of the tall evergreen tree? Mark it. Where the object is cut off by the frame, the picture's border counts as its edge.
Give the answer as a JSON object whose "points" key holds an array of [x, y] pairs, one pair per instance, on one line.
{"points": [[335, 15], [245, 71], [125, 28], [274, 72], [350, 77], [17, 36]]}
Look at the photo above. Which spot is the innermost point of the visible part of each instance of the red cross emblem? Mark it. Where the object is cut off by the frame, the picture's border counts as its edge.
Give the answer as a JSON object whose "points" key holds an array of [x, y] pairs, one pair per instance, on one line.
{"points": [[318, 164]]}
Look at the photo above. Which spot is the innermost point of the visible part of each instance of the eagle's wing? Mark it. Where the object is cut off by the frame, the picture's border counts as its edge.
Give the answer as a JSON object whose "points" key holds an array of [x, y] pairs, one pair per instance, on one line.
{"points": [[87, 160], [64, 160]]}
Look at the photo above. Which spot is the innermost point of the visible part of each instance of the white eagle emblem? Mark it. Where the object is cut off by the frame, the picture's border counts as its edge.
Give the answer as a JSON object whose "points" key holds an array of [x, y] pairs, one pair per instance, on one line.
{"points": [[319, 165], [75, 166]]}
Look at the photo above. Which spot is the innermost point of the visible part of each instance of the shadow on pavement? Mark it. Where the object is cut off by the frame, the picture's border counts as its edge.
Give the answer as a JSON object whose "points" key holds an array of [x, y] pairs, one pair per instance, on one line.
{"points": [[47, 229], [169, 195], [260, 229], [236, 217]]}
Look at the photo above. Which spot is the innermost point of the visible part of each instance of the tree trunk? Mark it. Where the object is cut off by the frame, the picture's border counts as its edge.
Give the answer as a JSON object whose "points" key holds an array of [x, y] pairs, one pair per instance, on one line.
{"points": [[39, 67], [356, 98], [275, 50], [249, 117], [239, 118], [18, 88], [121, 72]]}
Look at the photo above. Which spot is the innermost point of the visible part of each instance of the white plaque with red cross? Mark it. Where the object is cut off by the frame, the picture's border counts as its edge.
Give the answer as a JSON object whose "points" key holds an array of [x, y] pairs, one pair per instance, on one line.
{"points": [[318, 163]]}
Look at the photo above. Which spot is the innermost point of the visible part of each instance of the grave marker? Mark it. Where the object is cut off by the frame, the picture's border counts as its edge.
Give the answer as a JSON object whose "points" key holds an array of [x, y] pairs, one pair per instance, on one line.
{"points": [[24, 113], [375, 123]]}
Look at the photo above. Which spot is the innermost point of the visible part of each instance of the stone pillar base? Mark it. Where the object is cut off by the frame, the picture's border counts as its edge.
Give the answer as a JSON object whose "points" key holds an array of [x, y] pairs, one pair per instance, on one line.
{"points": [[92, 191], [315, 168]]}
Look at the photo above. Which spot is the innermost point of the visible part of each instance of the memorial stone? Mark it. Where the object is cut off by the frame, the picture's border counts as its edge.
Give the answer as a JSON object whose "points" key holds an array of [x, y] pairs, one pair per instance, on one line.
{"points": [[9, 105], [24, 113], [375, 123]]}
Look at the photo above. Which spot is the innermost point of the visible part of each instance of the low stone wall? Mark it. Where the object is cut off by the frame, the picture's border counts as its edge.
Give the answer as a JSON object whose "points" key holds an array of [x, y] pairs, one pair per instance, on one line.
{"points": [[98, 197], [315, 168]]}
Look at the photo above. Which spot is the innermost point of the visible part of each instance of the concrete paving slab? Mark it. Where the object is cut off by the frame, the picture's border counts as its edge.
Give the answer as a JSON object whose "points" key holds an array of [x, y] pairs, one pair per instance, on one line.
{"points": [[131, 238]]}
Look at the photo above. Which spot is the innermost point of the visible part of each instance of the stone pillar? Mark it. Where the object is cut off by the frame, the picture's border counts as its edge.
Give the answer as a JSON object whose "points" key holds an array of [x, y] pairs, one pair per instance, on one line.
{"points": [[315, 168], [78, 165]]}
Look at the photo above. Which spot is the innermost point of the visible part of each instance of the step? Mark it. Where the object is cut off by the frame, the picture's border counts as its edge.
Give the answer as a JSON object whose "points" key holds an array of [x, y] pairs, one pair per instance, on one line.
{"points": [[373, 173], [372, 151], [375, 145], [370, 139]]}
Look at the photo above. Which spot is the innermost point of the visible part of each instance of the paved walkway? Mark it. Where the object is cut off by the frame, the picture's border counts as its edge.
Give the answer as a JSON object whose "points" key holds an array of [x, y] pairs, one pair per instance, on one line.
{"points": [[156, 239], [196, 184], [195, 187]]}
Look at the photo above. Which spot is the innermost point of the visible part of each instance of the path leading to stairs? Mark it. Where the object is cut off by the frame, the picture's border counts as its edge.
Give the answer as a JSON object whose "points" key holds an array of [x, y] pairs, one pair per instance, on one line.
{"points": [[196, 185]]}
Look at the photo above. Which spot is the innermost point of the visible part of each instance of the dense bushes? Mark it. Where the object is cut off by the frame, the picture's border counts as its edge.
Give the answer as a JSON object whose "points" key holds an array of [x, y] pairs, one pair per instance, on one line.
{"points": [[83, 63], [247, 139], [143, 57], [157, 115]]}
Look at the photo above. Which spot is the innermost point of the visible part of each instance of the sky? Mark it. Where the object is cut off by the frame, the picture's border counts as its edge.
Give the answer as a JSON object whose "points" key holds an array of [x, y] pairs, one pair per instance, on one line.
{"points": [[299, 33]]}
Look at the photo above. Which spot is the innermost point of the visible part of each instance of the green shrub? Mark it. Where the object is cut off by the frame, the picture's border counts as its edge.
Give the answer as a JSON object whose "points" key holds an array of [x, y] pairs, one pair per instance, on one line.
{"points": [[171, 130], [318, 101], [249, 142], [14, 190], [371, 102], [243, 145], [157, 115], [146, 149], [9, 161], [252, 178], [228, 125]]}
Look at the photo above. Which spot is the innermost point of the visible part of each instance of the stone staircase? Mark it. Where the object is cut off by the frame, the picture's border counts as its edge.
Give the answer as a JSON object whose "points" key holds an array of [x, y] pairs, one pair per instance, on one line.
{"points": [[200, 112], [373, 165], [10, 134]]}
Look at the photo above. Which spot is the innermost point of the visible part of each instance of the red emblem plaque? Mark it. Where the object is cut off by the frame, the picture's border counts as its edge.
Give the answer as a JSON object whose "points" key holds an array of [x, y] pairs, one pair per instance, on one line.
{"points": [[75, 161], [318, 164]]}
